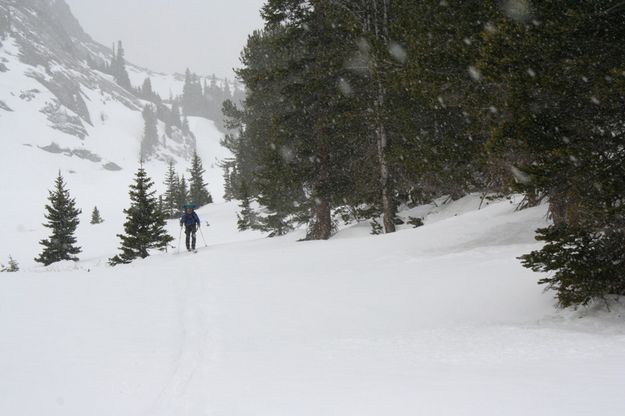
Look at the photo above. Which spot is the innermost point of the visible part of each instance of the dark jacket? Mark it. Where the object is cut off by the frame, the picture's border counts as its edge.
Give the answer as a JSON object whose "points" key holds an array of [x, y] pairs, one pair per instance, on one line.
{"points": [[190, 219]]}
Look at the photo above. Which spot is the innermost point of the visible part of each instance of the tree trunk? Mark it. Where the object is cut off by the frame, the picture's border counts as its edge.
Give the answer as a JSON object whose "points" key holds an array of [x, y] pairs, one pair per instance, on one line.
{"points": [[322, 227], [322, 222], [388, 205], [381, 32]]}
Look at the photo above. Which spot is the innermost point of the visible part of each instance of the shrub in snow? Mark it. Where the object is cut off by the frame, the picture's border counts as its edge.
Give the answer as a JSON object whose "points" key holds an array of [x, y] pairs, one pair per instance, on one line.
{"points": [[582, 265], [11, 268]]}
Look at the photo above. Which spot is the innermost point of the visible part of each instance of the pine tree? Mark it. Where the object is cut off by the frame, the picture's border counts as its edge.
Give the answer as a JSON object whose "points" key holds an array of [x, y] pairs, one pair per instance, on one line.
{"points": [[175, 115], [95, 216], [149, 143], [145, 225], [182, 194], [568, 144], [118, 67], [197, 187], [146, 90], [170, 201], [193, 102], [62, 216], [246, 219], [297, 133]]}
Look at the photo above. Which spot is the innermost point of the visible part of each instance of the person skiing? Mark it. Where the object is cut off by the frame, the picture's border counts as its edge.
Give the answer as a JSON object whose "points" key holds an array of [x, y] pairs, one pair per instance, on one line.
{"points": [[191, 223]]}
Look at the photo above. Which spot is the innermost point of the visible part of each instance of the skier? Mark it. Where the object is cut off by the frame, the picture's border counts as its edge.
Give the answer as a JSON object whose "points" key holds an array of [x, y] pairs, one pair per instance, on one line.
{"points": [[191, 222]]}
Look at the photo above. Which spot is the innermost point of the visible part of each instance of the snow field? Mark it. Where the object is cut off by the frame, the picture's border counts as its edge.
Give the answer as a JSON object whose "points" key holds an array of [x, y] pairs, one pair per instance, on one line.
{"points": [[440, 320]]}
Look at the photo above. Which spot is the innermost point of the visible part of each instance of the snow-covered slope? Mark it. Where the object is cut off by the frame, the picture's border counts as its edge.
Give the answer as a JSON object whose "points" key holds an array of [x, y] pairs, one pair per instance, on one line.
{"points": [[440, 320], [59, 114]]}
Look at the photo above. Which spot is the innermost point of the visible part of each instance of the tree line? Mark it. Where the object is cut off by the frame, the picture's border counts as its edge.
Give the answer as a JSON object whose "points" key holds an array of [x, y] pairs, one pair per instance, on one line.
{"points": [[199, 98], [144, 228], [362, 107]]}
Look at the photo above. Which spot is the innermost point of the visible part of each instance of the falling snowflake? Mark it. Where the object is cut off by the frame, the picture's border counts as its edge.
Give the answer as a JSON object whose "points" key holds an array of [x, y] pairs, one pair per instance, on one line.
{"points": [[475, 73], [398, 52]]}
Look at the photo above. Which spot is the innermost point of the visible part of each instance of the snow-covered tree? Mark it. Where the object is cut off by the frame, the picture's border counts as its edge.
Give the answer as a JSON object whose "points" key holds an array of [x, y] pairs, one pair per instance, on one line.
{"points": [[246, 218]]}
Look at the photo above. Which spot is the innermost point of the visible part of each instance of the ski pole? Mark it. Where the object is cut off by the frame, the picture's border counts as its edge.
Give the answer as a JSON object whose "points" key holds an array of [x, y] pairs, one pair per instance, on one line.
{"points": [[179, 239], [203, 239]]}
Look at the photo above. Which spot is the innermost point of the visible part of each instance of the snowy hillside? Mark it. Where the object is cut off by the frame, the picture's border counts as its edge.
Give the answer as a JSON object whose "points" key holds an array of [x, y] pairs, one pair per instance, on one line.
{"points": [[437, 320], [59, 114], [440, 320]]}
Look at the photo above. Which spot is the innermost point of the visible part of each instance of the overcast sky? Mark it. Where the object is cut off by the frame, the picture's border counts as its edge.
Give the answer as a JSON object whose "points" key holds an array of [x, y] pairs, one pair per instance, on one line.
{"points": [[171, 35]]}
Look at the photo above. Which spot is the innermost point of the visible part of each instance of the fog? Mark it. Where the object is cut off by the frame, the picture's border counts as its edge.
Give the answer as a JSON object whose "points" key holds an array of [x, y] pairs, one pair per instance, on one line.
{"points": [[171, 35]]}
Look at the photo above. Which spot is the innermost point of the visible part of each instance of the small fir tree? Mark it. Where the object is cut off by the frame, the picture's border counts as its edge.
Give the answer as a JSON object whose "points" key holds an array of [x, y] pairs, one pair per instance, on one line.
{"points": [[182, 193], [145, 225], [118, 67], [376, 227], [95, 216], [197, 187], [146, 90], [11, 268], [246, 219], [170, 201], [62, 216]]}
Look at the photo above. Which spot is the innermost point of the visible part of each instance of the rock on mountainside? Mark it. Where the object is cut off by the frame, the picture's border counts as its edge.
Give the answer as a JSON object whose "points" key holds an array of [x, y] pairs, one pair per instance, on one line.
{"points": [[52, 42], [45, 43]]}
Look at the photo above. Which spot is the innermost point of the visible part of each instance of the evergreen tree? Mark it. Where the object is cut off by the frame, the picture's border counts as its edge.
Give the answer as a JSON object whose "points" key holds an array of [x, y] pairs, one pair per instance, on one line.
{"points": [[149, 143], [118, 67], [182, 194], [567, 147], [197, 187], [62, 216], [297, 134], [171, 201], [146, 90], [175, 115], [95, 216], [246, 219], [193, 102], [145, 225], [370, 105]]}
